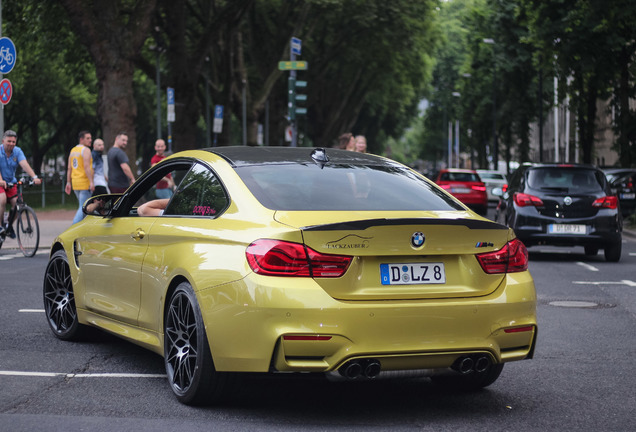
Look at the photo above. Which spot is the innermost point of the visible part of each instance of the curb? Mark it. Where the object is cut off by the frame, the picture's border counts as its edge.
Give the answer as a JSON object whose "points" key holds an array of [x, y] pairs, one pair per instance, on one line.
{"points": [[631, 233]]}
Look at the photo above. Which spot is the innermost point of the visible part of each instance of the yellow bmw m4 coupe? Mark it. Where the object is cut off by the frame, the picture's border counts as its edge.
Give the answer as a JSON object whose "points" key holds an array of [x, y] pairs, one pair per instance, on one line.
{"points": [[276, 259]]}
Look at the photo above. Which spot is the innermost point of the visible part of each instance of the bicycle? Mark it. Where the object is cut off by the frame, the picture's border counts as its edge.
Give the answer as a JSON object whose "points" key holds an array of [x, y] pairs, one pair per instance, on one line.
{"points": [[27, 226]]}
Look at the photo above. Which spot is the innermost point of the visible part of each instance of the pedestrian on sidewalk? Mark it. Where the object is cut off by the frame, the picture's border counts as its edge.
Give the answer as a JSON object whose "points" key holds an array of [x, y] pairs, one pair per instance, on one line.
{"points": [[120, 175], [99, 178], [79, 172], [165, 185]]}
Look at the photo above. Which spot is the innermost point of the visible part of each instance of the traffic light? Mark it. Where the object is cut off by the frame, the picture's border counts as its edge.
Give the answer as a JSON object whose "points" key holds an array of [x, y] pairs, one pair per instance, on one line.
{"points": [[294, 97]]}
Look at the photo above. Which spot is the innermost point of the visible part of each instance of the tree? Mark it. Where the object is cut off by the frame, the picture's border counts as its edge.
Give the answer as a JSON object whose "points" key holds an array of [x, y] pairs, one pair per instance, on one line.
{"points": [[114, 32], [54, 85], [582, 40]]}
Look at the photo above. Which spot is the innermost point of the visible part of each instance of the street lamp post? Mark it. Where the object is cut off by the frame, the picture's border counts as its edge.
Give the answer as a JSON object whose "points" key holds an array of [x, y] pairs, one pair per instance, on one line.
{"points": [[495, 155], [158, 50], [457, 95]]}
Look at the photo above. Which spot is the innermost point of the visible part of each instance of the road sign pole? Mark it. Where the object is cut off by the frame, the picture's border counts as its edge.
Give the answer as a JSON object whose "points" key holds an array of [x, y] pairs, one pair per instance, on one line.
{"points": [[292, 115]]}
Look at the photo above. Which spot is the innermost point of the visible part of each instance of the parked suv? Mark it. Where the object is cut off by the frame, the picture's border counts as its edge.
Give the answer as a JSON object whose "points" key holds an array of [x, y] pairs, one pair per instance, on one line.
{"points": [[563, 205]]}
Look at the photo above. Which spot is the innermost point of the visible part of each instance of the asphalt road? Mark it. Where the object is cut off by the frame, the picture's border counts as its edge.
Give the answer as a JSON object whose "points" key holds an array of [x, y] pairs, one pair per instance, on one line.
{"points": [[582, 376]]}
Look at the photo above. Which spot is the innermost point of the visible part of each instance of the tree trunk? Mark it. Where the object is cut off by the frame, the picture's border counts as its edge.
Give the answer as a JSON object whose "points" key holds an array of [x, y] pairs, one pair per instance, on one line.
{"points": [[625, 153], [114, 32]]}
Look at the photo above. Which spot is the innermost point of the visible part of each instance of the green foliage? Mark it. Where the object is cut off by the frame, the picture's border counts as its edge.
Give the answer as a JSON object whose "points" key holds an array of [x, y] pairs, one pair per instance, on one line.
{"points": [[53, 81]]}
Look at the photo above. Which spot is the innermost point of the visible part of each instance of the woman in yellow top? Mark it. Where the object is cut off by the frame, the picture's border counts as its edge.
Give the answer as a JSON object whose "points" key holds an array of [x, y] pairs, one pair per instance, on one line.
{"points": [[79, 173]]}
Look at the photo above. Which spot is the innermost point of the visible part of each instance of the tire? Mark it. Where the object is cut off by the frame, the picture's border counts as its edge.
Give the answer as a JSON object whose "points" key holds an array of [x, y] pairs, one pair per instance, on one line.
{"points": [[613, 252], [591, 250], [28, 231], [187, 356], [471, 381], [59, 299]]}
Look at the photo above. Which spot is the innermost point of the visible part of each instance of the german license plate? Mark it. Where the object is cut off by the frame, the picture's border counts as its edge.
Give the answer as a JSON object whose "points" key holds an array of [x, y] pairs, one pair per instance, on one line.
{"points": [[628, 196], [412, 274], [460, 190], [567, 229]]}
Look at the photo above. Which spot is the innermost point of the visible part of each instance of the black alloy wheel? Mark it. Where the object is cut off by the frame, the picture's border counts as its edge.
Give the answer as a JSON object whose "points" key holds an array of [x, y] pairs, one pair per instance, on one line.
{"points": [[187, 356], [59, 299]]}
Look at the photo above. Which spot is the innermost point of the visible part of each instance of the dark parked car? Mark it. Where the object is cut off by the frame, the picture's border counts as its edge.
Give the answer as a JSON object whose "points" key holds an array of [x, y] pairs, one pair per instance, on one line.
{"points": [[622, 182], [563, 205]]}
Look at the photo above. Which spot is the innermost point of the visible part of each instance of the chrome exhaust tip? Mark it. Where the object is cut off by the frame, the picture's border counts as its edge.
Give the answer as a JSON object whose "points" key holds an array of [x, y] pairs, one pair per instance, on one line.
{"points": [[351, 370], [482, 364], [464, 365], [372, 369]]}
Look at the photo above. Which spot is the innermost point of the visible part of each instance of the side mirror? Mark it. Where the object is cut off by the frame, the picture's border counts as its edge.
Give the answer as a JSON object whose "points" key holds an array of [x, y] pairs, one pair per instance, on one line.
{"points": [[497, 191], [100, 205]]}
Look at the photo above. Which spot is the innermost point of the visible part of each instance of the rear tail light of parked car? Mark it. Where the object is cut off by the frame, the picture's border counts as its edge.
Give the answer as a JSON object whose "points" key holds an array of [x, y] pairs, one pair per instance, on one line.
{"points": [[479, 188], [512, 258], [609, 202], [523, 200], [281, 258]]}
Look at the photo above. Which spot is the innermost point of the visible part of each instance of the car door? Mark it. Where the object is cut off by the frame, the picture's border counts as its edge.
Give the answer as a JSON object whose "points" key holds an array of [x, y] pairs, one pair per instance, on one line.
{"points": [[111, 257], [110, 261]]}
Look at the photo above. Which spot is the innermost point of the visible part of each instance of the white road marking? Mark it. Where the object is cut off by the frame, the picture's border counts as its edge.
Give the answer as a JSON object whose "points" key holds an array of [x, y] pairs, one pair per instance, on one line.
{"points": [[587, 266], [31, 310], [80, 375], [623, 282], [21, 255]]}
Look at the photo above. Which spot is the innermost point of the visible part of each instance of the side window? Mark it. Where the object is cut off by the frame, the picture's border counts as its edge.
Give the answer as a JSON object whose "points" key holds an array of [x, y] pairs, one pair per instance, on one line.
{"points": [[199, 194], [161, 184]]}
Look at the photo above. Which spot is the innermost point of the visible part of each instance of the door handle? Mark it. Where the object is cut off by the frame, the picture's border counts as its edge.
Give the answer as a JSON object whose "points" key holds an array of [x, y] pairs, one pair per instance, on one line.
{"points": [[138, 235]]}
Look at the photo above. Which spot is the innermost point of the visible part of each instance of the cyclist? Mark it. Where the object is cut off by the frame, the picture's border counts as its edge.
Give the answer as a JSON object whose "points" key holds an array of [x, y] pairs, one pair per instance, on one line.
{"points": [[10, 157]]}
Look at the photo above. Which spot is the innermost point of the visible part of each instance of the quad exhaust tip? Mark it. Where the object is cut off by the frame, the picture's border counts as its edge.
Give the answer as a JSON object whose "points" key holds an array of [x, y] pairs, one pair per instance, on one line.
{"points": [[366, 368], [468, 364]]}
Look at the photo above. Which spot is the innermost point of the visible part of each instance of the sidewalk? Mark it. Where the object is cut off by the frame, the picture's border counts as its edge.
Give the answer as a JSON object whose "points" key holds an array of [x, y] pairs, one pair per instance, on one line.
{"points": [[52, 223]]}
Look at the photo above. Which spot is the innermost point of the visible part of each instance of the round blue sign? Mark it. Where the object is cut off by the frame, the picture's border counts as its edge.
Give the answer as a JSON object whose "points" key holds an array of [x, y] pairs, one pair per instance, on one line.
{"points": [[8, 55]]}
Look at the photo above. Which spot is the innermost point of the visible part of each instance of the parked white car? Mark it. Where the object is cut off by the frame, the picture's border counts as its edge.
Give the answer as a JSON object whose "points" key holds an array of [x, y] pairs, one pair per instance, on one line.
{"points": [[492, 179]]}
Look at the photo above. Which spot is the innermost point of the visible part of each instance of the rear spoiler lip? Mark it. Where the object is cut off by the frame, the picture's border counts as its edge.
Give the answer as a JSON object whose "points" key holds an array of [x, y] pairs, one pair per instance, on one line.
{"points": [[361, 225]]}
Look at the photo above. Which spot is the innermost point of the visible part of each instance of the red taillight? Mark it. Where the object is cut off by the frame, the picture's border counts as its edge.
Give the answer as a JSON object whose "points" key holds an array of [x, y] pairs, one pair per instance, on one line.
{"points": [[512, 258], [523, 200], [609, 202], [504, 188], [479, 188], [281, 258]]}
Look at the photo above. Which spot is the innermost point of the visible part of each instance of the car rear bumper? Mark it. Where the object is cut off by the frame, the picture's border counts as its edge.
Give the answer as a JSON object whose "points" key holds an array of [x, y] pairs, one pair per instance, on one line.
{"points": [[600, 231], [291, 324]]}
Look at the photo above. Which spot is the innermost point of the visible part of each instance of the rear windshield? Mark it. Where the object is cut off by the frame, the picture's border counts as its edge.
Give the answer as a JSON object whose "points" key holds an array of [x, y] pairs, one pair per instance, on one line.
{"points": [[342, 187], [491, 176], [459, 176], [571, 180]]}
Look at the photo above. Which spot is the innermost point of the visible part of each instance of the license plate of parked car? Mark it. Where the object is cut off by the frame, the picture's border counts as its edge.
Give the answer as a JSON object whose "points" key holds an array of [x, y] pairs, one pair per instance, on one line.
{"points": [[460, 190], [413, 273], [567, 229], [628, 196]]}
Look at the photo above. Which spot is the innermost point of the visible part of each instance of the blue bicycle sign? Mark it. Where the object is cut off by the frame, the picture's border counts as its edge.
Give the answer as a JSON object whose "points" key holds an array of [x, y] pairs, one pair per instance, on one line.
{"points": [[8, 55]]}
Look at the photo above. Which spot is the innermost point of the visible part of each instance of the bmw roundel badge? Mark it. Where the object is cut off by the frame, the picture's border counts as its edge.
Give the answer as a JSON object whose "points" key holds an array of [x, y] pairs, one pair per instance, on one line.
{"points": [[417, 239], [567, 200]]}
